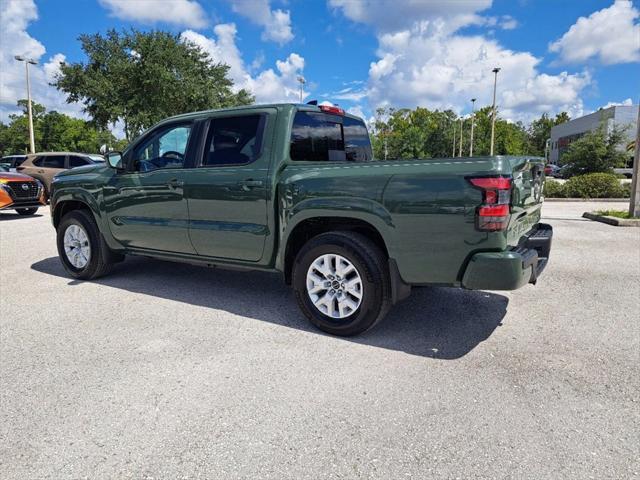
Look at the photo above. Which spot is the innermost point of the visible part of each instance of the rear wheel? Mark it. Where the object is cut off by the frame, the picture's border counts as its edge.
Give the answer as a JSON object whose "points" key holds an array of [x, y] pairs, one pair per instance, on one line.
{"points": [[81, 248], [341, 283], [26, 211]]}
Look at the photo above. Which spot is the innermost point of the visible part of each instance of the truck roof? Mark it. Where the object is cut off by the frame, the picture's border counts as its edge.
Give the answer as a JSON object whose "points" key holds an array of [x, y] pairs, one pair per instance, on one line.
{"points": [[297, 106]]}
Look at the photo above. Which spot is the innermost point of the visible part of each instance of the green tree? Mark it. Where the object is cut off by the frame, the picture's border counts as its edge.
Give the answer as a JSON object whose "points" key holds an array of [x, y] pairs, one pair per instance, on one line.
{"points": [[540, 130], [596, 151], [53, 131], [140, 78]]}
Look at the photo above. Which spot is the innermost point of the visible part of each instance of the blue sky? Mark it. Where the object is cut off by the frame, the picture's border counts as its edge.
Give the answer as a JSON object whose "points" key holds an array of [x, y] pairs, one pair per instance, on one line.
{"points": [[574, 55]]}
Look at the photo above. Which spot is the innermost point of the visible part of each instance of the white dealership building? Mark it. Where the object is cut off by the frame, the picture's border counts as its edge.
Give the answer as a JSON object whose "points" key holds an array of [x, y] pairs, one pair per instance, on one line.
{"points": [[620, 115]]}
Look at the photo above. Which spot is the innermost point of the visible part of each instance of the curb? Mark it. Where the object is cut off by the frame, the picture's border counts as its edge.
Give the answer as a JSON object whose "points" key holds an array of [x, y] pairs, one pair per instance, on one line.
{"points": [[615, 221], [547, 199]]}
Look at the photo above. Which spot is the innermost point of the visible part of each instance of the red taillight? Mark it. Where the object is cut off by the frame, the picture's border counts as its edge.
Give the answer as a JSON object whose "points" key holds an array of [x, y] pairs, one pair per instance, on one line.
{"points": [[332, 109], [493, 214]]}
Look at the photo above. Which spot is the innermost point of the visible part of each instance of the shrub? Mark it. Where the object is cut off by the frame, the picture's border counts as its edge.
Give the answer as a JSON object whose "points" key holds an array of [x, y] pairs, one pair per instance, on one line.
{"points": [[554, 189], [594, 185], [614, 213]]}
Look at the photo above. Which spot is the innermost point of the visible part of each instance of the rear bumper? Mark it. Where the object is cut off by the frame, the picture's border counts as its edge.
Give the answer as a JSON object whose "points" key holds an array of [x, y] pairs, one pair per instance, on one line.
{"points": [[514, 268]]}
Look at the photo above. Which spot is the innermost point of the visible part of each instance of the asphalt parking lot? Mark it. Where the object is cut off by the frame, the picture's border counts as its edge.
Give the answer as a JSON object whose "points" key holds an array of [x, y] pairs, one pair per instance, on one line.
{"points": [[167, 371]]}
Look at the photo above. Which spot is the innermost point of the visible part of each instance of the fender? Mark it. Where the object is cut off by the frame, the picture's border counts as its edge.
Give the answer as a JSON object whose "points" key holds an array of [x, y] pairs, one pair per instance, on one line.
{"points": [[90, 198], [362, 209]]}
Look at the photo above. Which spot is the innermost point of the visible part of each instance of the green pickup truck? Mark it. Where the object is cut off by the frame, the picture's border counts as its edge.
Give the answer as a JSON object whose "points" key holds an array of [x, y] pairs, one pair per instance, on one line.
{"points": [[294, 189]]}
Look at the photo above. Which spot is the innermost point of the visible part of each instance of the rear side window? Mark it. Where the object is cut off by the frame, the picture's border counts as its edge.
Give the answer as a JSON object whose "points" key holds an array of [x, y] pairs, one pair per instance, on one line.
{"points": [[50, 161], [77, 162], [317, 137], [234, 140]]}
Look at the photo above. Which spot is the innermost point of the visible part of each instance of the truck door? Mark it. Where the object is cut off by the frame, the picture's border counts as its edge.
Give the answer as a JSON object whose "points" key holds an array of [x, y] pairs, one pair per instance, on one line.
{"points": [[146, 204], [228, 190]]}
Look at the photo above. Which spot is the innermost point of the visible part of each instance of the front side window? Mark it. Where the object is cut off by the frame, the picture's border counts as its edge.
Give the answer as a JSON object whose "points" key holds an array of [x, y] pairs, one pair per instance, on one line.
{"points": [[234, 140], [317, 137], [166, 148]]}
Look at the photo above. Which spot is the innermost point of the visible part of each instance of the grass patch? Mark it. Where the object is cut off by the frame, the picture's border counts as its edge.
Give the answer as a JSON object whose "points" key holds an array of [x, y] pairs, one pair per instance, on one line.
{"points": [[614, 213]]}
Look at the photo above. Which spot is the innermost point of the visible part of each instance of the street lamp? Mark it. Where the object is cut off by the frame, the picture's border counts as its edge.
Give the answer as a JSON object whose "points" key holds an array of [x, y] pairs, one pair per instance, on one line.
{"points": [[302, 81], [461, 125], [493, 116], [27, 62], [453, 148], [473, 120]]}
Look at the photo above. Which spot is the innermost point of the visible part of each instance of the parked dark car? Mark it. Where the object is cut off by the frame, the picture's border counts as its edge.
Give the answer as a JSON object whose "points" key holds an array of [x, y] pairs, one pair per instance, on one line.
{"points": [[551, 170], [13, 161]]}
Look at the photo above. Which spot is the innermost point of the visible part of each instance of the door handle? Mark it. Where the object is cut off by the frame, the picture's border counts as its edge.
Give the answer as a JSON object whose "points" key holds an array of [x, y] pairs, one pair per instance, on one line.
{"points": [[250, 183], [40, 171], [175, 183]]}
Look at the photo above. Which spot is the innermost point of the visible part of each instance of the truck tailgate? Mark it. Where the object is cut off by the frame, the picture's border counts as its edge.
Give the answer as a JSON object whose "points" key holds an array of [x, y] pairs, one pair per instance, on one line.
{"points": [[526, 200]]}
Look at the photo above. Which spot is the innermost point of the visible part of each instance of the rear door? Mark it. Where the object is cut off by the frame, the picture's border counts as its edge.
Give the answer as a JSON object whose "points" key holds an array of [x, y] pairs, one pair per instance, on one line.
{"points": [[228, 189]]}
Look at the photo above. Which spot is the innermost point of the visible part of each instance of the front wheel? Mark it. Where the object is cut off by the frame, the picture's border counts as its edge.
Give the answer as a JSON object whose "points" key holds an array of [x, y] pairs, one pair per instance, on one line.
{"points": [[26, 211], [81, 248], [341, 283]]}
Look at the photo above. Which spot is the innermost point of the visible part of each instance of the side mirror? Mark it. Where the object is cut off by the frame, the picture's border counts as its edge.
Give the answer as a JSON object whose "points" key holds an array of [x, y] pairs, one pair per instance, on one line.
{"points": [[114, 160]]}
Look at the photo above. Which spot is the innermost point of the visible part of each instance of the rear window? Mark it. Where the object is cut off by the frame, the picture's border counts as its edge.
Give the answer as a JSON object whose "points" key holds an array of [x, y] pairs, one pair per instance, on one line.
{"points": [[77, 162], [50, 161], [317, 137], [322, 137], [356, 140]]}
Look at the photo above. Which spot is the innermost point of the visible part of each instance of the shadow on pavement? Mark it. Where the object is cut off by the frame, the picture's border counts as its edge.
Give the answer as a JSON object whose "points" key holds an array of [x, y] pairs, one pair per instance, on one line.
{"points": [[442, 323], [13, 215]]}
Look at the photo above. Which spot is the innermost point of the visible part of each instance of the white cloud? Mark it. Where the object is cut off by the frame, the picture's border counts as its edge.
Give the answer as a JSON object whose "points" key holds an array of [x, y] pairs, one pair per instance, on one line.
{"points": [[627, 102], [612, 35], [279, 85], [393, 15], [186, 13], [276, 23], [439, 70], [507, 22], [15, 16], [427, 63]]}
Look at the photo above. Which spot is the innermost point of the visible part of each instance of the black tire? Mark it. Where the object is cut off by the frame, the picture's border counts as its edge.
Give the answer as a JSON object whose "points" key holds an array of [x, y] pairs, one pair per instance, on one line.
{"points": [[26, 211], [101, 259], [372, 266]]}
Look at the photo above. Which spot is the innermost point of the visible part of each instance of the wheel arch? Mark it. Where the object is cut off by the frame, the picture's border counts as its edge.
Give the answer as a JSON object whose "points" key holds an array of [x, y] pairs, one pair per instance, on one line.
{"points": [[63, 207], [307, 228]]}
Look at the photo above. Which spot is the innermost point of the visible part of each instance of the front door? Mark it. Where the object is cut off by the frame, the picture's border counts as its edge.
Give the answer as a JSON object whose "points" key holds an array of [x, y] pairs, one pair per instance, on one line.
{"points": [[229, 187], [146, 204]]}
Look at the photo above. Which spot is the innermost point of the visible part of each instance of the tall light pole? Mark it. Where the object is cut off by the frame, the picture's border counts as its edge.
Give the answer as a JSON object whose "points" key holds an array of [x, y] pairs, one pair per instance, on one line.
{"points": [[27, 61], [453, 148], [302, 81], [493, 115], [634, 203], [461, 125], [473, 120]]}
